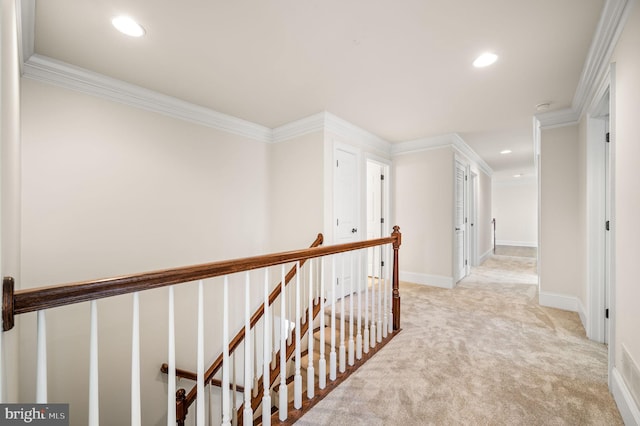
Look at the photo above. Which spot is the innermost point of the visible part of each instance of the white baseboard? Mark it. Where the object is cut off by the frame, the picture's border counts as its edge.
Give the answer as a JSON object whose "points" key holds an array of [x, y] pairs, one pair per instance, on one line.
{"points": [[517, 243], [629, 410], [485, 256], [426, 279], [583, 313], [558, 301]]}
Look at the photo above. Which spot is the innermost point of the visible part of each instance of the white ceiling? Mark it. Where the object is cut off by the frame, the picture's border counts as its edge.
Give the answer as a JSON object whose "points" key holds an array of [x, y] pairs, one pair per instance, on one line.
{"points": [[401, 70]]}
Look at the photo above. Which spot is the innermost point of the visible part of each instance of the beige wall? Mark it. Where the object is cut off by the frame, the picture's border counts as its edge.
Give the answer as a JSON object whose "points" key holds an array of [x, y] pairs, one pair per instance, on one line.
{"points": [[10, 180], [560, 254], [423, 188], [515, 207], [296, 173], [109, 190], [627, 194]]}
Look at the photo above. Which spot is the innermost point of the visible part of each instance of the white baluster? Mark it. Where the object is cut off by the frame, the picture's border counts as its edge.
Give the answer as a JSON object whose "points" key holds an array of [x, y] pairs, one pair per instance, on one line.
{"points": [[282, 391], [322, 362], [2, 373], [136, 415], [171, 374], [41, 366], [94, 401], [365, 337], [384, 292], [248, 363], [234, 393], [297, 378], [332, 352], [226, 415], [351, 349], [343, 349], [359, 290], [266, 372], [200, 396], [380, 291], [256, 359], [310, 370], [372, 331]]}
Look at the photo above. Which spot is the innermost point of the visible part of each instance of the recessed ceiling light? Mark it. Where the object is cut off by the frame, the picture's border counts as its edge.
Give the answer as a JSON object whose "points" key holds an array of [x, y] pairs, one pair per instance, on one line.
{"points": [[485, 60], [518, 175], [505, 151], [128, 26]]}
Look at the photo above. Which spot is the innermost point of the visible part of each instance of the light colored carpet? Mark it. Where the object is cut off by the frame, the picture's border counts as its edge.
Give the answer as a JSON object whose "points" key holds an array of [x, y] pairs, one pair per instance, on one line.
{"points": [[484, 353]]}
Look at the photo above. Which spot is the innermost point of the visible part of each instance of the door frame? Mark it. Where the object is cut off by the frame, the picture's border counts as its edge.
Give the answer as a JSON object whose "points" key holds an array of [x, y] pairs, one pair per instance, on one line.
{"points": [[465, 241], [601, 243], [386, 192]]}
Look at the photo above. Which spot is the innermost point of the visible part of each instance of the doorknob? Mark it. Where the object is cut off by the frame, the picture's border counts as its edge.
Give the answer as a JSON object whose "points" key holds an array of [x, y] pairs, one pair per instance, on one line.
{"points": [[457, 229], [354, 230]]}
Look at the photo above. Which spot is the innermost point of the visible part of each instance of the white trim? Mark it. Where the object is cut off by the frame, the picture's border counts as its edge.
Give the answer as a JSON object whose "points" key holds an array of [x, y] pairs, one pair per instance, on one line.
{"points": [[614, 15], [42, 68], [485, 256], [452, 140], [582, 313], [627, 406], [354, 134], [304, 126], [426, 279], [559, 118], [462, 147], [517, 243], [558, 301], [610, 25], [26, 22]]}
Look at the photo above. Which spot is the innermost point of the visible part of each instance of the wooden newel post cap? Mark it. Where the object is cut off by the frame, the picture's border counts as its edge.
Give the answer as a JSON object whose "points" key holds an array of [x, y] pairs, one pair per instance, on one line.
{"points": [[397, 235]]}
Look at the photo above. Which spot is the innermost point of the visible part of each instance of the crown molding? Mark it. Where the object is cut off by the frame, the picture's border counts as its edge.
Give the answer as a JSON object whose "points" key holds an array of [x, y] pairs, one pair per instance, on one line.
{"points": [[610, 26], [452, 140], [559, 118], [596, 66], [304, 126], [464, 149], [327, 122], [42, 68], [353, 133], [26, 22], [422, 144]]}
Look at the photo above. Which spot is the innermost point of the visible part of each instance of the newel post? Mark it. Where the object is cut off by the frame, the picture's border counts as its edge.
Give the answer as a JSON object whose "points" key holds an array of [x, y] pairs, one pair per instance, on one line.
{"points": [[396, 280]]}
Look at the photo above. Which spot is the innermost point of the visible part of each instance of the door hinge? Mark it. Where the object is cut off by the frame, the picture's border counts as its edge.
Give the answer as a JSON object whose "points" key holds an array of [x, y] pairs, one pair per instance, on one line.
{"points": [[337, 222], [465, 178], [607, 138], [381, 177], [337, 162], [607, 226], [465, 262], [382, 263], [382, 220], [606, 313]]}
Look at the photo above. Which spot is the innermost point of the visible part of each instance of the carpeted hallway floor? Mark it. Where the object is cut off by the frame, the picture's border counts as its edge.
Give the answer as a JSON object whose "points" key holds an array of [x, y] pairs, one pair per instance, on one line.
{"points": [[484, 353]]}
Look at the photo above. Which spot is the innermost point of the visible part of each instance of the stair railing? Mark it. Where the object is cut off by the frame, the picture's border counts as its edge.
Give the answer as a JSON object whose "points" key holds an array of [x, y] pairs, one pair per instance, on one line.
{"points": [[380, 282], [185, 400]]}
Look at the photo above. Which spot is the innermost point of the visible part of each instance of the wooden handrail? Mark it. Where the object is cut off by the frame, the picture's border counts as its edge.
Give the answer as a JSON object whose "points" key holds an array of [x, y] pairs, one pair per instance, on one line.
{"points": [[30, 300]]}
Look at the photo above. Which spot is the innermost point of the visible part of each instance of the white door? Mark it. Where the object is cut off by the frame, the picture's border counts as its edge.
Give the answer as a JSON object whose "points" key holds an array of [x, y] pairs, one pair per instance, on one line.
{"points": [[459, 257], [346, 202]]}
